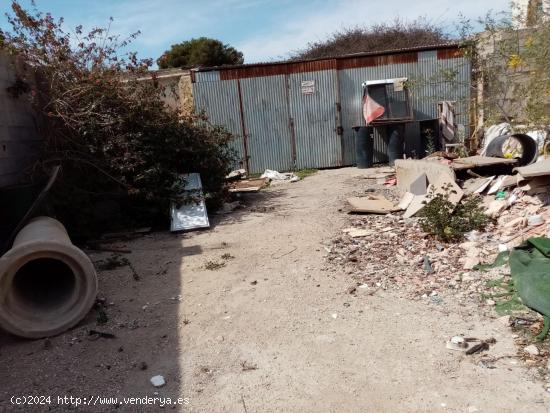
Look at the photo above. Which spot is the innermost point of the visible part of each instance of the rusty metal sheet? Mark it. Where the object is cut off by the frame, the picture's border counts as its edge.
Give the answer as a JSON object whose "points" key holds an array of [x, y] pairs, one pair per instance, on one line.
{"points": [[244, 72]]}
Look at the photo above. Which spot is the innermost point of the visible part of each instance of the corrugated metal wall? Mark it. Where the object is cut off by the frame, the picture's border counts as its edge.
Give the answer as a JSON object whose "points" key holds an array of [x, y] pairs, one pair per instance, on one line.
{"points": [[314, 119], [222, 102], [286, 128], [268, 131]]}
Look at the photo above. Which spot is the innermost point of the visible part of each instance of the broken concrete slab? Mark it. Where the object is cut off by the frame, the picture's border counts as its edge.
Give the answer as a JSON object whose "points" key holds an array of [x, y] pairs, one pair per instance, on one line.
{"points": [[405, 201], [473, 161], [512, 180], [357, 232], [446, 185], [496, 207], [419, 186], [537, 185], [497, 184], [417, 204], [476, 185], [485, 185], [536, 169], [373, 204], [505, 181], [408, 170]]}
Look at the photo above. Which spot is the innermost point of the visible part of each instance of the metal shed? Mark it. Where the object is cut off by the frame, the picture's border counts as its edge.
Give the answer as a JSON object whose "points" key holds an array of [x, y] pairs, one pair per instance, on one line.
{"points": [[301, 114]]}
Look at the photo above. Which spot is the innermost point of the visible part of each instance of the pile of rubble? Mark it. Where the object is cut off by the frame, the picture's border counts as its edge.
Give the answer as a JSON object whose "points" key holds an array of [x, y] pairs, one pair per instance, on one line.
{"points": [[393, 252], [385, 247]]}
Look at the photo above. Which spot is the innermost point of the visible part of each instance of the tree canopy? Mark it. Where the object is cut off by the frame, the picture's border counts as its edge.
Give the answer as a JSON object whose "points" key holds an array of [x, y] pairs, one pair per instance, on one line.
{"points": [[202, 51], [383, 36]]}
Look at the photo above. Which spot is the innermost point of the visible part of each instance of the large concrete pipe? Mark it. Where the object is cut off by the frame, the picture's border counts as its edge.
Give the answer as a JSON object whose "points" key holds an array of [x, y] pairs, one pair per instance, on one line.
{"points": [[47, 285], [529, 148]]}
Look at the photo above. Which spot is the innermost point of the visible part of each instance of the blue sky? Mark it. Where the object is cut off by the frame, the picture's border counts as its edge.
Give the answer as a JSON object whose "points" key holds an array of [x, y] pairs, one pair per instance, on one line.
{"points": [[264, 30]]}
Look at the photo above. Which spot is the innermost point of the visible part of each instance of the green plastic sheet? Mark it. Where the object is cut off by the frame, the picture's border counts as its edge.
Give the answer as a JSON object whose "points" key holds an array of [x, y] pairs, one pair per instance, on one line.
{"points": [[530, 269]]}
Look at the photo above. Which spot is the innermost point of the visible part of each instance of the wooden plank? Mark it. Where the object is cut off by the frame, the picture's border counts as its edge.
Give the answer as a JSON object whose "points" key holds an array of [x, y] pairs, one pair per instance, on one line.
{"points": [[248, 185], [473, 161]]}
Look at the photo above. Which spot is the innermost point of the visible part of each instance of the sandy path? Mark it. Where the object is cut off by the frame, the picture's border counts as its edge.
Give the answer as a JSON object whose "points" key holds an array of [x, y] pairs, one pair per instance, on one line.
{"points": [[271, 330]]}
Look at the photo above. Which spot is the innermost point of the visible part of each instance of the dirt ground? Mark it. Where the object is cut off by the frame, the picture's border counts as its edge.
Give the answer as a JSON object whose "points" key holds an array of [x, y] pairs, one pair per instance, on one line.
{"points": [[269, 331]]}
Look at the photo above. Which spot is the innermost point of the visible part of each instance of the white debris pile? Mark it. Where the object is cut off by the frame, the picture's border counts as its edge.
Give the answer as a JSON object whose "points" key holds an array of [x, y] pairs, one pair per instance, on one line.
{"points": [[386, 248], [276, 176]]}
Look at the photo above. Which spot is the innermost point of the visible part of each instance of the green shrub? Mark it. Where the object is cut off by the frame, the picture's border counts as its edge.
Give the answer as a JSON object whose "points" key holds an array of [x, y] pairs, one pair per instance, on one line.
{"points": [[441, 218], [122, 150]]}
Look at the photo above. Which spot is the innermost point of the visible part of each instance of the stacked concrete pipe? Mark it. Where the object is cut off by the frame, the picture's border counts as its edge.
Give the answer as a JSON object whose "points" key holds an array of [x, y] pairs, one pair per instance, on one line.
{"points": [[47, 285]]}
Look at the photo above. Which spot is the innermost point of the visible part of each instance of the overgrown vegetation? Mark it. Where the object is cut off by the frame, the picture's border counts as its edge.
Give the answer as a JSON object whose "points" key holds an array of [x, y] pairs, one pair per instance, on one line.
{"points": [[200, 52], [441, 218], [510, 61], [382, 36], [123, 152]]}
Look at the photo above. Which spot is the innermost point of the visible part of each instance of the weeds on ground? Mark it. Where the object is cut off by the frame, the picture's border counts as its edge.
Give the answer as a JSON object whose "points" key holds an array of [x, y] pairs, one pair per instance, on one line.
{"points": [[227, 256], [114, 261], [304, 173], [213, 265], [441, 218]]}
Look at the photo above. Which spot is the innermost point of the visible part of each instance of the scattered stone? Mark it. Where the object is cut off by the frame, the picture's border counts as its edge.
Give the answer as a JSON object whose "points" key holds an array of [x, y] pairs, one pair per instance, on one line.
{"points": [[496, 207], [532, 350], [427, 266], [357, 232], [457, 343], [504, 320], [470, 262], [158, 381]]}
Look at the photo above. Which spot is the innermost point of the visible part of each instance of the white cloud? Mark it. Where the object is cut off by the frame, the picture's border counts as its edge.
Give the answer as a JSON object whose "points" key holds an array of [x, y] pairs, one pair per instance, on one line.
{"points": [[288, 25]]}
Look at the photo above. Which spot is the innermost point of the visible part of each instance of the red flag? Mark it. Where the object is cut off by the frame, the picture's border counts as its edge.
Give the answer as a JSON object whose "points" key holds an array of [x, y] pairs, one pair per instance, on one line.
{"points": [[371, 109]]}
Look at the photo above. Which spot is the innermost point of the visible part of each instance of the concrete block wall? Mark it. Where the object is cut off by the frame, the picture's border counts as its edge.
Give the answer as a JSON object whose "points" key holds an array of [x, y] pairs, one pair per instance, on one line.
{"points": [[19, 140]]}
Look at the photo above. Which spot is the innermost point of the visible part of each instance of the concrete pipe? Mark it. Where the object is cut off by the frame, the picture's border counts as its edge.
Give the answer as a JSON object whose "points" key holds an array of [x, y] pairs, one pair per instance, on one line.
{"points": [[529, 147], [47, 285]]}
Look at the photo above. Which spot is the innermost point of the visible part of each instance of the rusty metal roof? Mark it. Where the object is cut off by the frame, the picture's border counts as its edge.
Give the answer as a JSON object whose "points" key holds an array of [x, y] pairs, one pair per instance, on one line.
{"points": [[324, 61]]}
